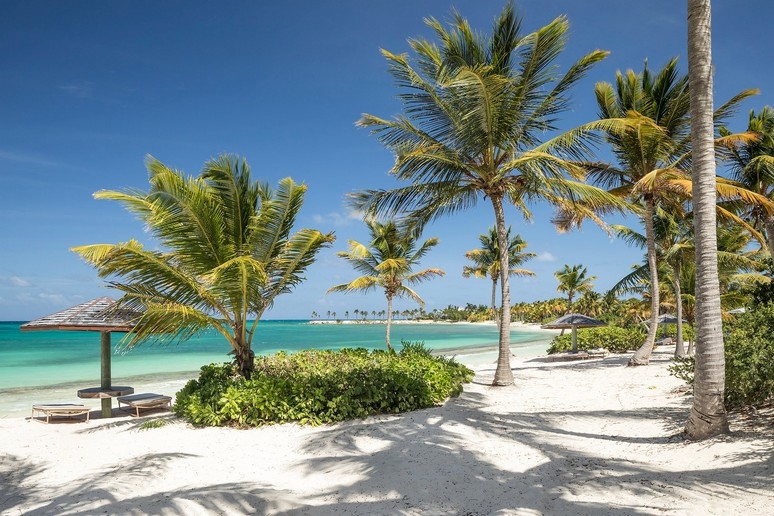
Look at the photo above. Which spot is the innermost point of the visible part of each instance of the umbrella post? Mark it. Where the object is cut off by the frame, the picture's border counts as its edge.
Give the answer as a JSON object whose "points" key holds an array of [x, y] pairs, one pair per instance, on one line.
{"points": [[105, 380], [574, 340]]}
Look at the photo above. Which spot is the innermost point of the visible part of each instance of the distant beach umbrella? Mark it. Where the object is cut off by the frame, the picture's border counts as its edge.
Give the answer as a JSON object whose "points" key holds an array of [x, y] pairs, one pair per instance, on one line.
{"points": [[574, 321], [667, 319], [102, 315]]}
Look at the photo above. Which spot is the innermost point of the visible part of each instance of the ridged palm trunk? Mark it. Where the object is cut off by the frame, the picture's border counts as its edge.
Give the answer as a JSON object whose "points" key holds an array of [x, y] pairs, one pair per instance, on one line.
{"points": [[503, 374], [243, 354], [389, 321], [494, 303], [642, 355], [708, 414], [770, 234], [679, 346]]}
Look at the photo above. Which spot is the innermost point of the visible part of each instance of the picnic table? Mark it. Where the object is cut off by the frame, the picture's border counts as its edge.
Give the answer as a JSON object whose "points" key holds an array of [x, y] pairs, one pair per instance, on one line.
{"points": [[106, 394]]}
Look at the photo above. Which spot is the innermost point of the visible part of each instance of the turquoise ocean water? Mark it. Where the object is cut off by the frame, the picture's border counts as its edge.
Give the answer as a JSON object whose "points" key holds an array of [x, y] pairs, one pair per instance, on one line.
{"points": [[32, 361]]}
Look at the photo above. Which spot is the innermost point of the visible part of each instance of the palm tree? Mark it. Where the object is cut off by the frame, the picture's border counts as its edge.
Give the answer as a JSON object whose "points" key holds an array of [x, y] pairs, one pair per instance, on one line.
{"points": [[387, 262], [752, 164], [708, 413], [475, 110], [650, 137], [573, 280], [486, 261], [228, 252]]}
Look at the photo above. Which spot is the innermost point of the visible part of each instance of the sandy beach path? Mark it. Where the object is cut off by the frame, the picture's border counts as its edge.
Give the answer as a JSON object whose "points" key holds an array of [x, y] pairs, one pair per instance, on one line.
{"points": [[591, 437]]}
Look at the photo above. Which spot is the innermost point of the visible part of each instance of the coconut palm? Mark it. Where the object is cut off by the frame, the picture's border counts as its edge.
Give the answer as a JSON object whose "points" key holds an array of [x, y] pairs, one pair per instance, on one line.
{"points": [[573, 280], [228, 252], [650, 138], [475, 109], [752, 164], [387, 263], [486, 261], [708, 413]]}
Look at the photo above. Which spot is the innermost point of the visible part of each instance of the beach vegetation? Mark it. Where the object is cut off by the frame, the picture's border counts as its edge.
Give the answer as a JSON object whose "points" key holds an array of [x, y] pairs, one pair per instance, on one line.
{"points": [[749, 359], [157, 422], [476, 110], [486, 262], [227, 251], [321, 386], [387, 262], [611, 338]]}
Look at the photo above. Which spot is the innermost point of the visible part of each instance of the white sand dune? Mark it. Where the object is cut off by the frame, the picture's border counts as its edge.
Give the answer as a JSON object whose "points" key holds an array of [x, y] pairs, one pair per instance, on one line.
{"points": [[573, 438]]}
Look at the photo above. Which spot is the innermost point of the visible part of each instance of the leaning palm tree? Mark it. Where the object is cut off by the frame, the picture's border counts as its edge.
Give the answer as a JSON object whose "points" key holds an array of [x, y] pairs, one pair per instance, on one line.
{"points": [[486, 261], [650, 138], [228, 252], [475, 111], [387, 263], [573, 280]]}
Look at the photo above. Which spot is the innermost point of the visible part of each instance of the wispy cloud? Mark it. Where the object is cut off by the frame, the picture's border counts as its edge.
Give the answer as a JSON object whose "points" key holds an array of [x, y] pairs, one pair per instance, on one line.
{"points": [[80, 89], [336, 219], [26, 159], [18, 282], [545, 257]]}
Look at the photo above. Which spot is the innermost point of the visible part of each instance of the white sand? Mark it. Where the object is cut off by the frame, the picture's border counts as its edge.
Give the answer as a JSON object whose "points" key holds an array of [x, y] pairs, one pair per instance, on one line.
{"points": [[570, 438]]}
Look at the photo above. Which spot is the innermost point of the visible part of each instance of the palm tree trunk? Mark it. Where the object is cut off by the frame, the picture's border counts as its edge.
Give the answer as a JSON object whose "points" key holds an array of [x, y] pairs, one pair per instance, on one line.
{"points": [[679, 346], [708, 414], [389, 322], [642, 355], [770, 234], [503, 374], [494, 303]]}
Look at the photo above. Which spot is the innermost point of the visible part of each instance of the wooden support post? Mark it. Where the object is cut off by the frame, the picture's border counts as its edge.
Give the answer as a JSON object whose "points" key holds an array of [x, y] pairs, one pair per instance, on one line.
{"points": [[105, 379]]}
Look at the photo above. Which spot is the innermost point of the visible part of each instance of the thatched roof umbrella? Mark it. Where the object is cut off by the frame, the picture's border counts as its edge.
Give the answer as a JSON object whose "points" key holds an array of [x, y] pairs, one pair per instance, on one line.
{"points": [[574, 321], [100, 315]]}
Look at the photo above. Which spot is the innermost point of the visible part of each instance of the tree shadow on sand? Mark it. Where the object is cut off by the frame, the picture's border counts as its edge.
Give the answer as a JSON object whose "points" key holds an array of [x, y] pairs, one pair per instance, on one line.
{"points": [[105, 492], [401, 470]]}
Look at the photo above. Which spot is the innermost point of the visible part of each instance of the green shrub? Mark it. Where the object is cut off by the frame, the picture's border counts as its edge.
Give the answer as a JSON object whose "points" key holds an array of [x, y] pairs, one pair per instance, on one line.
{"points": [[317, 387], [749, 354], [614, 339]]}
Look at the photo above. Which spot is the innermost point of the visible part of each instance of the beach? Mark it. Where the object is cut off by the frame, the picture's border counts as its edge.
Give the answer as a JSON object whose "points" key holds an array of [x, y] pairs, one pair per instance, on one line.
{"points": [[583, 437]]}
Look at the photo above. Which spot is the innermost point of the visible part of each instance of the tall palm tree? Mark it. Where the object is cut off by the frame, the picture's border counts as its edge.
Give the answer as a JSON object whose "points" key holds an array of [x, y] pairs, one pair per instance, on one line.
{"points": [[486, 261], [387, 263], [573, 280], [227, 253], [650, 138], [708, 413], [475, 109]]}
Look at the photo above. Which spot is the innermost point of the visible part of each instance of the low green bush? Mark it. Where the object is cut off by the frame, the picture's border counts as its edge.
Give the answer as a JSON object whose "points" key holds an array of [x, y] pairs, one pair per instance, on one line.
{"points": [[611, 338], [749, 354], [317, 387]]}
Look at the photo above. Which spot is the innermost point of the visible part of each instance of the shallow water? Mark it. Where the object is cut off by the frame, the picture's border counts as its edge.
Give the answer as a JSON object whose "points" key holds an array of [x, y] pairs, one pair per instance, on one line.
{"points": [[49, 366]]}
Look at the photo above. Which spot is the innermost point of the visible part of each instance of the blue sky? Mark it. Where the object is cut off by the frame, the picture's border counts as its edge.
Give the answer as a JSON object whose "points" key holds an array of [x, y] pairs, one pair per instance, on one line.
{"points": [[89, 88]]}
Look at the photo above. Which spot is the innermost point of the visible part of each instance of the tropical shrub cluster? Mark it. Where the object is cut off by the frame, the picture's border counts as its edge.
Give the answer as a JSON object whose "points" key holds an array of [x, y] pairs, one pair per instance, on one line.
{"points": [[321, 386], [612, 338], [749, 353]]}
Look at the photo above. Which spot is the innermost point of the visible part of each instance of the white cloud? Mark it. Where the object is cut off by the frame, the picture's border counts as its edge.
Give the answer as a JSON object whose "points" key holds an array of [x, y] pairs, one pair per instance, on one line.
{"points": [[545, 257], [336, 219], [18, 282]]}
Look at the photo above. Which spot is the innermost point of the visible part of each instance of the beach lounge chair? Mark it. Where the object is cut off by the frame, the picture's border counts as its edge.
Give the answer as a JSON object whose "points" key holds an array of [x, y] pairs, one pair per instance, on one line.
{"points": [[146, 400], [61, 410]]}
